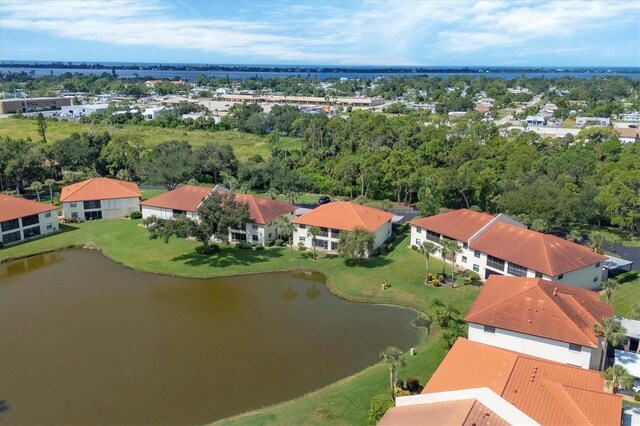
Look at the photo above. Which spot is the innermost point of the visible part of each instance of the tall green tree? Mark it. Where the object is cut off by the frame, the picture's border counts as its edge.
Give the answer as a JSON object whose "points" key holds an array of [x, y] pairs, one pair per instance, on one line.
{"points": [[36, 187], [49, 184], [451, 249], [394, 358], [608, 286], [284, 227], [613, 333], [42, 127], [356, 244], [168, 163], [621, 200], [617, 376]]}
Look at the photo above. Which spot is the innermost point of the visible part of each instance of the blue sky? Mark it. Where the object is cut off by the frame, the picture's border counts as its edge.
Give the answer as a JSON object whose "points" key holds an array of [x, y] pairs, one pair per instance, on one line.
{"points": [[394, 32]]}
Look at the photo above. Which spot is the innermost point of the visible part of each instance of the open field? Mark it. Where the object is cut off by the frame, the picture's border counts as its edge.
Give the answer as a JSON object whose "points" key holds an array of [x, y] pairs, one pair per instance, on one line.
{"points": [[345, 402], [244, 145]]}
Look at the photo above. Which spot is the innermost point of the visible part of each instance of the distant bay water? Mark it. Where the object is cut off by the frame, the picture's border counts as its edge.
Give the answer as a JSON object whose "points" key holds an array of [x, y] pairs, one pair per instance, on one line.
{"points": [[190, 72]]}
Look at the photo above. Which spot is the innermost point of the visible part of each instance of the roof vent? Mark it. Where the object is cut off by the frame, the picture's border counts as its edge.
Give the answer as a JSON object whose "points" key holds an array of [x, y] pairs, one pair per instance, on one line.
{"points": [[555, 291], [529, 321]]}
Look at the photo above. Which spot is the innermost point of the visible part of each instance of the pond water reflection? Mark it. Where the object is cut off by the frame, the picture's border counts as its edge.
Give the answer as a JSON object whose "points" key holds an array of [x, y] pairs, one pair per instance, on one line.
{"points": [[84, 340]]}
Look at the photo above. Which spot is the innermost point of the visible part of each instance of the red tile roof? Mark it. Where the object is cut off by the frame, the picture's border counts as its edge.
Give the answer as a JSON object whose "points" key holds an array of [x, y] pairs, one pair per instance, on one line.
{"points": [[99, 189], [186, 198], [626, 132], [15, 207], [344, 216], [544, 253], [457, 224], [264, 210], [550, 393], [461, 412], [540, 308]]}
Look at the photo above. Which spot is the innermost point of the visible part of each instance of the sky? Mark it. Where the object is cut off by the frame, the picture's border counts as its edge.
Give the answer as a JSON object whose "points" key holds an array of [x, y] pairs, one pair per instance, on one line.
{"points": [[366, 32]]}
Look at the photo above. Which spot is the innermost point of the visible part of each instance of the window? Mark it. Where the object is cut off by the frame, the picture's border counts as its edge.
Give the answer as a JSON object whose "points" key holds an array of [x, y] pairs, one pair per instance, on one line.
{"points": [[31, 232], [47, 214], [302, 239], [561, 276], [254, 226], [595, 278], [269, 235], [334, 246], [49, 226], [30, 220], [11, 237], [74, 215], [517, 270], [323, 244], [9, 225], [538, 274], [91, 204], [464, 259], [94, 215], [598, 265], [465, 245], [302, 226], [73, 205], [433, 236], [489, 329], [575, 348], [419, 230], [254, 238], [418, 242], [476, 253], [495, 263], [476, 268]]}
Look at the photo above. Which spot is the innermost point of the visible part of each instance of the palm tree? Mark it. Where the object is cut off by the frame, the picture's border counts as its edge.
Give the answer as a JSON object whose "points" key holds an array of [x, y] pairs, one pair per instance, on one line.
{"points": [[574, 236], [613, 333], [313, 232], [427, 248], [609, 285], [451, 248], [49, 183], [394, 358], [36, 187], [617, 376], [596, 242], [635, 312], [284, 227], [356, 244]]}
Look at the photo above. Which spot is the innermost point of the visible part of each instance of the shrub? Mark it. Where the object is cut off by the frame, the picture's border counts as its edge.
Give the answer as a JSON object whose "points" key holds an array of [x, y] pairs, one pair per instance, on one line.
{"points": [[301, 246], [244, 246], [413, 385], [259, 247], [279, 242], [378, 406], [436, 282], [430, 276], [627, 276], [472, 277], [414, 247], [135, 215], [401, 229], [269, 243], [1, 245]]}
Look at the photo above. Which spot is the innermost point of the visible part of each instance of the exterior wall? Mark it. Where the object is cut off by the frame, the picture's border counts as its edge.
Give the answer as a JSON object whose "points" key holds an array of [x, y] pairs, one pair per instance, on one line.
{"points": [[47, 222], [300, 235], [111, 209], [162, 213], [10, 106], [552, 350], [589, 277], [262, 233]]}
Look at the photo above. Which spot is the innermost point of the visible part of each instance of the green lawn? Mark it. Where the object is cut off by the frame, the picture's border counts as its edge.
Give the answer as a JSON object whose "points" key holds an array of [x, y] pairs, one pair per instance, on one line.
{"points": [[345, 402], [610, 232], [244, 145], [624, 297]]}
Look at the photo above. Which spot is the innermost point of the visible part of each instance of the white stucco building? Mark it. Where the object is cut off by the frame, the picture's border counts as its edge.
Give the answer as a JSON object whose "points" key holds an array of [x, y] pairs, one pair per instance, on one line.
{"points": [[99, 198], [339, 216], [500, 245], [22, 219], [186, 199], [540, 318]]}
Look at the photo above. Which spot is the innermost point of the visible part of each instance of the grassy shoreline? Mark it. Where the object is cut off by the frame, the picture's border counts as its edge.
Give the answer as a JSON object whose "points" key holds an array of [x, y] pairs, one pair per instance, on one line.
{"points": [[346, 401]]}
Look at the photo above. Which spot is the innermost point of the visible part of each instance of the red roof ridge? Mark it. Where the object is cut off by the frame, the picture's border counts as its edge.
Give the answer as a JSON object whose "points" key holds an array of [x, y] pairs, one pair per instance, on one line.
{"points": [[252, 199], [517, 294], [78, 186], [561, 390]]}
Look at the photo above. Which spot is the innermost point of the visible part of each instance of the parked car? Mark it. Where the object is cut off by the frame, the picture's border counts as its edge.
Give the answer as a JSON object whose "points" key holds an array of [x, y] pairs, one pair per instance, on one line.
{"points": [[324, 200], [636, 386]]}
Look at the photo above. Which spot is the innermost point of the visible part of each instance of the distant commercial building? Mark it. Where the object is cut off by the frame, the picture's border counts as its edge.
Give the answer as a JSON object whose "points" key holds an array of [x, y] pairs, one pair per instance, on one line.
{"points": [[597, 121], [11, 106], [245, 96], [76, 111], [632, 117], [627, 134], [536, 120]]}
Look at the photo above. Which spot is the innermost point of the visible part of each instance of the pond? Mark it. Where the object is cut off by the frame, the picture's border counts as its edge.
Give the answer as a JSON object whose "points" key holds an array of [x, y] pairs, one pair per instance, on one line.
{"points": [[84, 340]]}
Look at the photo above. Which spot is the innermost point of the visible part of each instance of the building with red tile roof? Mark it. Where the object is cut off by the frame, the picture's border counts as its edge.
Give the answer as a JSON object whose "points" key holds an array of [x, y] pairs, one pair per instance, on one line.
{"points": [[516, 387], [339, 216], [186, 199], [466, 412], [99, 198], [21, 219], [540, 318], [501, 245]]}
